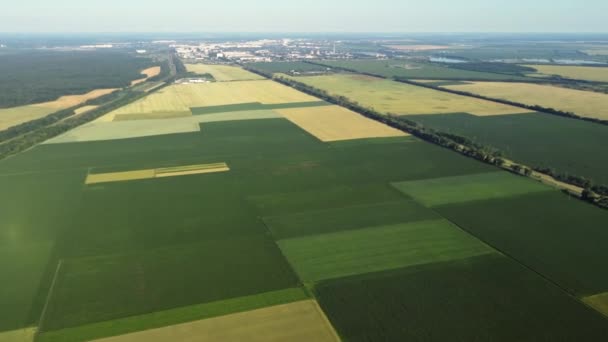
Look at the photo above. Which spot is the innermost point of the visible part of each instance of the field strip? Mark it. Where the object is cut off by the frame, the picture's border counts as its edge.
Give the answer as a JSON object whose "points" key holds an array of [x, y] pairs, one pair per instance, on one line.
{"points": [[223, 73], [599, 302], [298, 321], [255, 106], [334, 123], [165, 318], [18, 335], [48, 299], [373, 249], [449, 190], [111, 177]]}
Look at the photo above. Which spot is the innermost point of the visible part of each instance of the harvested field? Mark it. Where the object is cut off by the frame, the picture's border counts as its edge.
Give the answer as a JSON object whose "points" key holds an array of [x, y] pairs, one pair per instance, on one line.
{"points": [[96, 178], [374, 249], [400, 98], [300, 321], [21, 335], [84, 109], [223, 72], [181, 97], [596, 74], [74, 100], [598, 302], [150, 72], [332, 123], [175, 316], [439, 191], [255, 106], [582, 103], [10, 117]]}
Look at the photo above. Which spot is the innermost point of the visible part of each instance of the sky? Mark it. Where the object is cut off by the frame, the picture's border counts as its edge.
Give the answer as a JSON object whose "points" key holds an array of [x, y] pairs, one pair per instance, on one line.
{"points": [[76, 16]]}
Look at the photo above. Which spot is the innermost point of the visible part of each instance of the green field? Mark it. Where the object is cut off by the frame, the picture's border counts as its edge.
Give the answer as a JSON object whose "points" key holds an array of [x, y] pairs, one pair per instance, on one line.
{"points": [[373, 249], [417, 70], [554, 235], [569, 146], [487, 298], [448, 190], [174, 316], [254, 106]]}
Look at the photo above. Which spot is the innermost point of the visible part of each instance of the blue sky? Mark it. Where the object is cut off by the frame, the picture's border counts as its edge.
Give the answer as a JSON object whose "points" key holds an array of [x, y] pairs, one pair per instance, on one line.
{"points": [[304, 16]]}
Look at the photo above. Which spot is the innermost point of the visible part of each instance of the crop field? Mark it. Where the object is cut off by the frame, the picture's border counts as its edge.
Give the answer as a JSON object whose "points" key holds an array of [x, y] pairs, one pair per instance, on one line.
{"points": [[400, 98], [458, 189], [289, 67], [20, 335], [535, 139], [582, 103], [300, 321], [460, 300], [180, 98], [374, 249], [332, 123], [417, 70], [598, 302], [562, 226], [223, 73], [295, 221], [149, 72], [596, 74]]}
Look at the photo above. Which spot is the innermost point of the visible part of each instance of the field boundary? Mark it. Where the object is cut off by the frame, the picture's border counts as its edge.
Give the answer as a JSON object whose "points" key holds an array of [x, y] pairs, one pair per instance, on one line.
{"points": [[48, 300]]}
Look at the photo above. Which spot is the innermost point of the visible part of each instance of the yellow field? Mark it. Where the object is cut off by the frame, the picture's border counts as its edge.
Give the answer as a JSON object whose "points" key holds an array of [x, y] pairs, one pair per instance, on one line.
{"points": [[17, 115], [296, 322], [333, 123], [597, 74], [21, 335], [223, 73], [150, 72], [400, 98], [112, 177], [598, 302], [179, 98], [84, 109], [582, 103]]}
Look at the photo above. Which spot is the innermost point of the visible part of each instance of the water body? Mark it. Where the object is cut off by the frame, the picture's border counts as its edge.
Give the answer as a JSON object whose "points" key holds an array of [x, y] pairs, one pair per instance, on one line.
{"points": [[447, 60]]}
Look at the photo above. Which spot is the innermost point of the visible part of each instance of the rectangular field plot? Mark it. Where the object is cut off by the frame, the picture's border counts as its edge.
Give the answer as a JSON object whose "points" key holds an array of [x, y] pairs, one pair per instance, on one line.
{"points": [[300, 321], [446, 190], [535, 139], [346, 218], [486, 298], [573, 72], [20, 335], [96, 178], [400, 98], [374, 249], [179, 315], [333, 123], [239, 107], [223, 72], [584, 103], [165, 278], [561, 238], [181, 97]]}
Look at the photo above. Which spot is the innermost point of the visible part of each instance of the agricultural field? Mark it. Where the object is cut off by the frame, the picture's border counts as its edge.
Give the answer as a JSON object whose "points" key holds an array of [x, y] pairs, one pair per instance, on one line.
{"points": [[582, 103], [417, 70], [223, 73], [535, 139], [400, 98], [333, 123], [149, 72], [269, 213], [180, 98], [595, 74]]}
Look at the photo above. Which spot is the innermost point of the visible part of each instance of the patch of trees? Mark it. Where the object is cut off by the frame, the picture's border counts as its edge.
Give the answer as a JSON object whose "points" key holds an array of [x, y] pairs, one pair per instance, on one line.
{"points": [[40, 76]]}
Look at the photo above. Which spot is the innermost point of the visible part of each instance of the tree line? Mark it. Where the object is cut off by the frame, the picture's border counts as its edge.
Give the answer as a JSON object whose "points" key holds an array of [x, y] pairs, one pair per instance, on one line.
{"points": [[596, 194]]}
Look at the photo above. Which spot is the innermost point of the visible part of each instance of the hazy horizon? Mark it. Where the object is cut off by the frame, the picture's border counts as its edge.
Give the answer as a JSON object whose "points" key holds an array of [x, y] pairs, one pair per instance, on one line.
{"points": [[313, 16]]}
